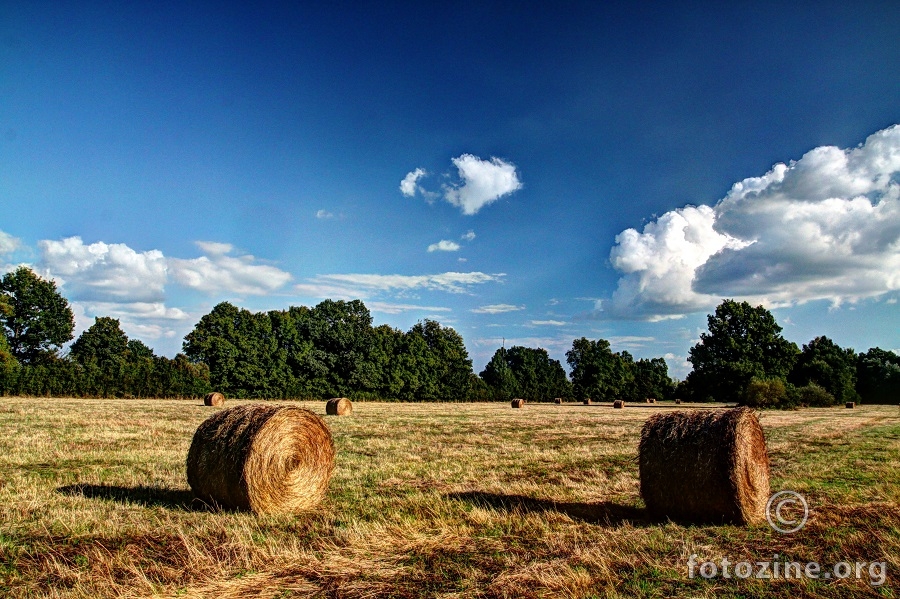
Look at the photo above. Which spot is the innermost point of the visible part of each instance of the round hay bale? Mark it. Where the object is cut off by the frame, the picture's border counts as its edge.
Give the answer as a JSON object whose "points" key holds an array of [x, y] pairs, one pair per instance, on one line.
{"points": [[619, 404], [558, 401], [214, 399], [339, 406], [268, 459], [705, 466], [651, 400], [518, 403], [587, 401], [678, 401], [851, 404]]}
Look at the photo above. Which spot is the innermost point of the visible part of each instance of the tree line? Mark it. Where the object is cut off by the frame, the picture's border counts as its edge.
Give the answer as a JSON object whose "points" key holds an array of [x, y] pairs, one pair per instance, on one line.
{"points": [[333, 349]]}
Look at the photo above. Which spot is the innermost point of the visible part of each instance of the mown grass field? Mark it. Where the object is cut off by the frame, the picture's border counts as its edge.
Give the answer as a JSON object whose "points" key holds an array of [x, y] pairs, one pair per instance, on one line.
{"points": [[427, 500]]}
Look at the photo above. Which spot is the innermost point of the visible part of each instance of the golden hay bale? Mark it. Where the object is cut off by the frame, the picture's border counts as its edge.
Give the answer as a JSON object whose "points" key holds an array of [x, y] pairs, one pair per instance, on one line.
{"points": [[587, 401], [518, 403], [339, 406], [558, 401], [705, 466], [214, 399], [678, 401], [851, 404], [268, 459], [651, 400], [619, 404]]}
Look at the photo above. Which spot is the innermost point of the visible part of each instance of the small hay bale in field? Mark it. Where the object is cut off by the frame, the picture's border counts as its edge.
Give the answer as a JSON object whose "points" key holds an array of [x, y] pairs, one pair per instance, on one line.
{"points": [[558, 401], [678, 401], [214, 399], [851, 404], [587, 401], [518, 403], [339, 406], [619, 404], [651, 400], [268, 459], [705, 466]]}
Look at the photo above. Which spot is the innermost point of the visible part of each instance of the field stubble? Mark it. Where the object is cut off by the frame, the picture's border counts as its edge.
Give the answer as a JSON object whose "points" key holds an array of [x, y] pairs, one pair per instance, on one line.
{"points": [[427, 500]]}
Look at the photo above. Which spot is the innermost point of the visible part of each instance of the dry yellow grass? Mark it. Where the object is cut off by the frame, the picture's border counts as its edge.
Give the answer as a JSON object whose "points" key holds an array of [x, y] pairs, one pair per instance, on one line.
{"points": [[450, 500]]}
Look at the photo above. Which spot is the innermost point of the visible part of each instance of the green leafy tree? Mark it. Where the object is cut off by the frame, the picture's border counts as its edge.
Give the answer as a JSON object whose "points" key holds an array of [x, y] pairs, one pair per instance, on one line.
{"points": [[878, 376], [651, 379], [526, 372], [598, 372], [104, 344], [238, 347], [742, 343], [828, 365], [435, 364], [36, 319]]}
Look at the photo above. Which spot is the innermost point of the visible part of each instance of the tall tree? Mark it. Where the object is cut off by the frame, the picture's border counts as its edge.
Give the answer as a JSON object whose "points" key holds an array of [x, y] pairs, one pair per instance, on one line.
{"points": [[743, 343], [36, 319], [598, 372], [238, 347], [651, 379], [878, 376], [828, 365], [104, 343], [526, 372]]}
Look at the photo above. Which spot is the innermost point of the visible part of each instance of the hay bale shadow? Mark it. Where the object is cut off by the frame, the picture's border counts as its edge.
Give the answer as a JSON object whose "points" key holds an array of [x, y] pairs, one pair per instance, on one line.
{"points": [[140, 495], [605, 512]]}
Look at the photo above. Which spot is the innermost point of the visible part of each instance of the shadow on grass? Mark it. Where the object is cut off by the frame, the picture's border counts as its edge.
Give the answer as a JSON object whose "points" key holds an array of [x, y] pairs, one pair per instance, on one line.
{"points": [[147, 496], [605, 512]]}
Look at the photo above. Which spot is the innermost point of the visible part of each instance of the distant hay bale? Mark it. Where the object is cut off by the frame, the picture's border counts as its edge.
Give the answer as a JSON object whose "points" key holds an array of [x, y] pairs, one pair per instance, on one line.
{"points": [[214, 399], [518, 403], [705, 466], [587, 401], [651, 400], [851, 404], [268, 459], [558, 401], [339, 406], [619, 404], [678, 401]]}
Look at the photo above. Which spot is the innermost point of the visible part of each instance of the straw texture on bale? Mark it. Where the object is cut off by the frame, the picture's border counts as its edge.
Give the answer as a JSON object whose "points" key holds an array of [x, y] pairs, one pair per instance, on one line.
{"points": [[619, 404], [587, 401], [851, 404], [705, 466], [268, 459], [518, 403], [214, 399], [338, 406]]}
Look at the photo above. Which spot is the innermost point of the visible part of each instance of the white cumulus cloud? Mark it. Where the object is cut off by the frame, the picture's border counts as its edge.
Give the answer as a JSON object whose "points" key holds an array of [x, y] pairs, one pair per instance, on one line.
{"points": [[826, 226], [220, 272], [483, 182], [8, 243], [469, 236], [104, 271], [409, 185], [444, 245]]}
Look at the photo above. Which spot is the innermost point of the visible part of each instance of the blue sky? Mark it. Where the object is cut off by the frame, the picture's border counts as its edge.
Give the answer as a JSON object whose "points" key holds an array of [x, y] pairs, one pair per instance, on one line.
{"points": [[518, 171]]}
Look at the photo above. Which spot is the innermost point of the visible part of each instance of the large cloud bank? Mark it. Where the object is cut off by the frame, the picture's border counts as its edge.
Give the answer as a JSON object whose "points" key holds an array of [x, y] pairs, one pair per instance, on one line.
{"points": [[826, 227]]}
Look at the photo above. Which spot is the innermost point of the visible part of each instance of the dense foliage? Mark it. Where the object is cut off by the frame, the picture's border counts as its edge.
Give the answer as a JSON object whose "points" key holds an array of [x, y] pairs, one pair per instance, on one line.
{"points": [[526, 372], [332, 350]]}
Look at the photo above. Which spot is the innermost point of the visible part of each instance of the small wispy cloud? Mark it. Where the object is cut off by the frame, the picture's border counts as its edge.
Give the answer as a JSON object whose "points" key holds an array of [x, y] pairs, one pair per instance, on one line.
{"points": [[548, 323], [409, 185], [444, 245], [469, 236], [354, 285], [8, 243], [324, 214], [496, 309], [478, 183]]}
